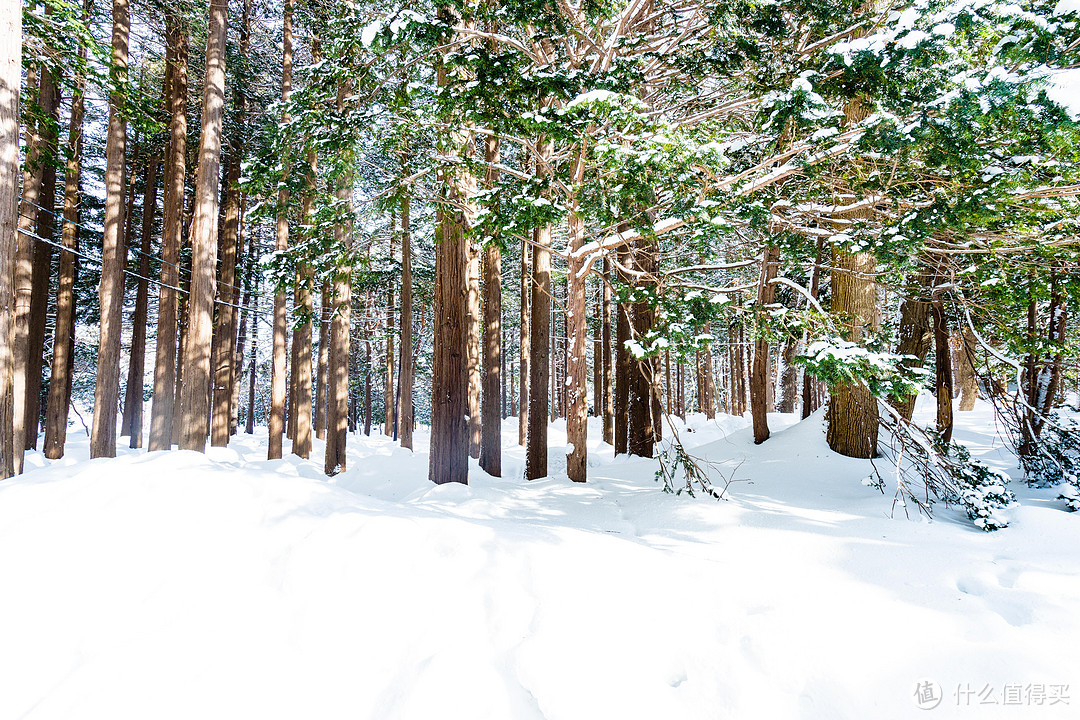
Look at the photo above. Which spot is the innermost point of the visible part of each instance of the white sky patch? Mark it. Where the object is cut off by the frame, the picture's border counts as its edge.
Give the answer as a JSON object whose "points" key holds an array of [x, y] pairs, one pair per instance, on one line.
{"points": [[1065, 86]]}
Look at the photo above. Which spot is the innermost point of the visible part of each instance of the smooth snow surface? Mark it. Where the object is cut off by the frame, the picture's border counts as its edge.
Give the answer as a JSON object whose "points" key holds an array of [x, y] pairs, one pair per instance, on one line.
{"points": [[177, 585]]}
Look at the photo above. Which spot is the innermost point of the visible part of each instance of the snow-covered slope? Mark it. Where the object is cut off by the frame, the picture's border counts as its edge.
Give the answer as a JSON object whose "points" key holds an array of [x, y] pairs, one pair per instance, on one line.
{"points": [[177, 585]]}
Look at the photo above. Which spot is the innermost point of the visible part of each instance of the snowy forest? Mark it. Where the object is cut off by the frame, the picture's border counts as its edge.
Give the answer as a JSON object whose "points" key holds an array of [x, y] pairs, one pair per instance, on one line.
{"points": [[668, 269]]}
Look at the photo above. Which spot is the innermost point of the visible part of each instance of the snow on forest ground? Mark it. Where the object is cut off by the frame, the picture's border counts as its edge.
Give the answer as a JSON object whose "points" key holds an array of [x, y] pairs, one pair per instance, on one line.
{"points": [[178, 585]]}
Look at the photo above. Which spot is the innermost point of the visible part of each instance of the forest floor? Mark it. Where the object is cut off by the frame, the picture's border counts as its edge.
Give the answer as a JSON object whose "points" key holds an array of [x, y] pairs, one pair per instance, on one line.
{"points": [[180, 585]]}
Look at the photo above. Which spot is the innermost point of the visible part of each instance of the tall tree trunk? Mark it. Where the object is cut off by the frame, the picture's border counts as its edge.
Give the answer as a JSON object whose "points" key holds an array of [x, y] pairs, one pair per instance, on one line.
{"points": [[389, 359], [337, 399], [249, 426], [56, 409], [405, 415], [943, 378], [597, 364], [709, 379], [111, 291], [525, 288], [790, 376], [491, 417], [969, 379], [300, 409], [224, 335], [449, 454], [33, 175], [916, 336], [607, 376], [808, 394], [367, 388], [236, 372], [10, 78], [162, 410], [324, 339], [277, 367], [39, 296], [137, 364], [759, 374], [539, 337], [622, 355], [195, 393], [577, 411], [640, 427], [472, 344], [852, 417]]}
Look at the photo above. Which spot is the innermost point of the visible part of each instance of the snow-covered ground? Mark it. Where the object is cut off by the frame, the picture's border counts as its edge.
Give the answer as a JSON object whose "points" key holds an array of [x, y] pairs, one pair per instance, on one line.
{"points": [[177, 585]]}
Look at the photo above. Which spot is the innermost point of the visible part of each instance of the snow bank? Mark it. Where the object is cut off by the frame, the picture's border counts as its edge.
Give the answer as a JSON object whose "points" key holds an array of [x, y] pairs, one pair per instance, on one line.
{"points": [[224, 586]]}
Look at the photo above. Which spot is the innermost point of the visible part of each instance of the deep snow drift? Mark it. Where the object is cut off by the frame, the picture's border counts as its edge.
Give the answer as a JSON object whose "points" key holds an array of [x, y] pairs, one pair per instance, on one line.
{"points": [[177, 585]]}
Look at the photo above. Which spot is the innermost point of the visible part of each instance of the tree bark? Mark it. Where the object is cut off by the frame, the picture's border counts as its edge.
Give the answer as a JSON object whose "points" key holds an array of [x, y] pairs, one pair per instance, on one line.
{"points": [[916, 337], [808, 394], [324, 339], [759, 373], [56, 409], [943, 379], [852, 417], [709, 379], [249, 426], [405, 415], [10, 78], [133, 401], [49, 100], [337, 399], [472, 344], [162, 410], [969, 379], [111, 290], [577, 411], [224, 335], [640, 426], [33, 179], [449, 454], [607, 376], [524, 355], [491, 417], [622, 357], [195, 393], [277, 368], [539, 338], [300, 409], [389, 358]]}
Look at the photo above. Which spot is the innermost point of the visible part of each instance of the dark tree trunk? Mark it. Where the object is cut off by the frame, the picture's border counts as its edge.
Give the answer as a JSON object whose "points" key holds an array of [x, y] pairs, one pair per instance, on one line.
{"points": [[324, 339], [539, 338], [759, 377], [449, 453], [916, 337], [641, 428], [137, 364], [46, 227], [405, 415], [943, 379], [607, 376], [63, 340], [622, 359], [491, 417], [809, 403]]}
